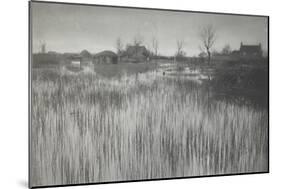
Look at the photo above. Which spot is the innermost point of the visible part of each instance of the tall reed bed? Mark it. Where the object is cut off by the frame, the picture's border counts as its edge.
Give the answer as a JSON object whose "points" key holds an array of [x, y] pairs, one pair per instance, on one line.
{"points": [[91, 129]]}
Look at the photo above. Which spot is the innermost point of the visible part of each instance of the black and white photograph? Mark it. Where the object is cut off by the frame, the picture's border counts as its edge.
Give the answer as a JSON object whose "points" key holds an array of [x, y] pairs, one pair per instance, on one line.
{"points": [[120, 94]]}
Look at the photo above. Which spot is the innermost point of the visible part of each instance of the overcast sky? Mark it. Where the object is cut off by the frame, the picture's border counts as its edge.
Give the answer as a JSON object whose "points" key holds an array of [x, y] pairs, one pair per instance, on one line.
{"points": [[72, 28]]}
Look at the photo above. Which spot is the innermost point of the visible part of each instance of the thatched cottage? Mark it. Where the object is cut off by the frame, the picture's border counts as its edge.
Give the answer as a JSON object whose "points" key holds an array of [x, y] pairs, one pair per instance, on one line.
{"points": [[107, 57], [136, 53], [86, 57]]}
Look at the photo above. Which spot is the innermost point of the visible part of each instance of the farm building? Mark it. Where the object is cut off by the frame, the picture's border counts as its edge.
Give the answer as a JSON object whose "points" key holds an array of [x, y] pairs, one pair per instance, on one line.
{"points": [[86, 57], [250, 50], [68, 57], [107, 57], [83, 58], [75, 61], [46, 59], [136, 53]]}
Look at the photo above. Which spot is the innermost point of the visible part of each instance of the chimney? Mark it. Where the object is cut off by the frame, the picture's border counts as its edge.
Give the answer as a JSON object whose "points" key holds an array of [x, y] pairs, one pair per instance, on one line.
{"points": [[241, 44]]}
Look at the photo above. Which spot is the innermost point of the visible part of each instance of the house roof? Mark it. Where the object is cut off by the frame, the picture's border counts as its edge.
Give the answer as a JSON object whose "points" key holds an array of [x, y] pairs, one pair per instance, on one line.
{"points": [[132, 49], [250, 48], [85, 54], [75, 57], [106, 53], [69, 54]]}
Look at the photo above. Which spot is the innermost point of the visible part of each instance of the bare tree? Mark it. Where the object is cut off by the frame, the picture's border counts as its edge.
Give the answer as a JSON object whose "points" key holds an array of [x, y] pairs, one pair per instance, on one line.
{"points": [[155, 45], [138, 40], [180, 52], [42, 46], [226, 49], [119, 47], [208, 37]]}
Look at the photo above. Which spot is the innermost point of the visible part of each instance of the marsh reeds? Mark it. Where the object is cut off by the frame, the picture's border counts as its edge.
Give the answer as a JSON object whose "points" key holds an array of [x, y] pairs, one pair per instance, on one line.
{"points": [[91, 129]]}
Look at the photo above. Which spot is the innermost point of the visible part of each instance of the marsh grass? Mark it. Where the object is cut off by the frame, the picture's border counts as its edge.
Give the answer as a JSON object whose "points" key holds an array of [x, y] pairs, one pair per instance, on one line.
{"points": [[87, 128]]}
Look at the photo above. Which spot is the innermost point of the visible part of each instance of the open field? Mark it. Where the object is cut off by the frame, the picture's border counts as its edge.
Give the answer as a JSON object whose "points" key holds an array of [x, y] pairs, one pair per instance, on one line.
{"points": [[132, 123]]}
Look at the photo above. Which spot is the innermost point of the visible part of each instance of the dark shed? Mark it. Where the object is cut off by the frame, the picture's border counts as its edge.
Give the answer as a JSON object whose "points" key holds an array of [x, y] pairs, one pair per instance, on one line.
{"points": [[107, 57]]}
